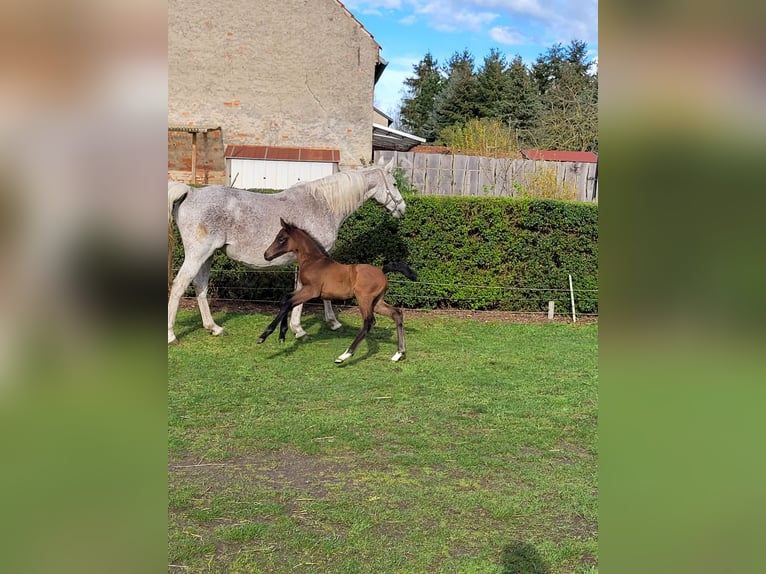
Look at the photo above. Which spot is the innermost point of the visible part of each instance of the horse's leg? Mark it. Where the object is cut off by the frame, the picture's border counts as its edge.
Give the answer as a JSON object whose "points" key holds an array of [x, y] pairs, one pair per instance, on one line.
{"points": [[295, 317], [366, 306], [396, 314], [200, 282], [297, 298], [186, 273], [283, 324], [329, 316]]}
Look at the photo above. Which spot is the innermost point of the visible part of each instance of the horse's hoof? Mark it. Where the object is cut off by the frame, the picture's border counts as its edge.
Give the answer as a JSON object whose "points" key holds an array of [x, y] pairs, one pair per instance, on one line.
{"points": [[216, 331], [335, 326], [299, 333], [343, 357], [173, 341], [397, 356], [260, 340]]}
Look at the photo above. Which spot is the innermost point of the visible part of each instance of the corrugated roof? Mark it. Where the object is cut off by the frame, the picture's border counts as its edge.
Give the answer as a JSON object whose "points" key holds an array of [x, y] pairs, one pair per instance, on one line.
{"points": [[553, 155], [282, 153], [390, 139]]}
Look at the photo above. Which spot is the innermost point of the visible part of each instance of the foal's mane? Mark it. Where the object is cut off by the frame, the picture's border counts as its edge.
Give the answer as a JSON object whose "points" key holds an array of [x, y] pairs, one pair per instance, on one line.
{"points": [[294, 228]]}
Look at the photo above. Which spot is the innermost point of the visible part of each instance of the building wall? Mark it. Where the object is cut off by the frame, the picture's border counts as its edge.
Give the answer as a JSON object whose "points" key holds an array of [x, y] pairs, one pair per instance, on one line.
{"points": [[272, 72]]}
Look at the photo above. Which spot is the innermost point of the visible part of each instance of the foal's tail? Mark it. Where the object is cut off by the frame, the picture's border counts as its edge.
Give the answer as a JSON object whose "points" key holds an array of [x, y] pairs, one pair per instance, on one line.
{"points": [[401, 268], [176, 192]]}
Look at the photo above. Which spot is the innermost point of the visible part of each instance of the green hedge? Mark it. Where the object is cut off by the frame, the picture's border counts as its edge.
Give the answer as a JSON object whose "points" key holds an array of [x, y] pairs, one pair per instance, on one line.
{"points": [[470, 253]]}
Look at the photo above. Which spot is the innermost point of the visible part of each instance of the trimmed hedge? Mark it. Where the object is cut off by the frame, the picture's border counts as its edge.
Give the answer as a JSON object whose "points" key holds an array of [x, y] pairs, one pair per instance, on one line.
{"points": [[470, 253]]}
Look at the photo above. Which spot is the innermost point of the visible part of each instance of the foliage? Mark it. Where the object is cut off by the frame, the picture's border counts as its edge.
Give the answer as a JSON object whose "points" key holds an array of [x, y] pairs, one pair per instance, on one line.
{"points": [[470, 253], [403, 183], [482, 252], [543, 184], [484, 137], [551, 105], [478, 453], [569, 119]]}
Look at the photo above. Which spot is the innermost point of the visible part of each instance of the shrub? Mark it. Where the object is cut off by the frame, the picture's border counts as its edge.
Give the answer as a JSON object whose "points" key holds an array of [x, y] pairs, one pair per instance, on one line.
{"points": [[470, 252]]}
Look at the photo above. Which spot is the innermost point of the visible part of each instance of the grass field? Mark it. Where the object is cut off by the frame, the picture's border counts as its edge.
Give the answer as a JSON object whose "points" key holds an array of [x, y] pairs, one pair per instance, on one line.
{"points": [[475, 454]]}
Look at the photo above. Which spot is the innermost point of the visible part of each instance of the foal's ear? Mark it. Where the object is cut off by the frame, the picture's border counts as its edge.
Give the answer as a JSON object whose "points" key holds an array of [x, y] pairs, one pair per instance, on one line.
{"points": [[286, 226]]}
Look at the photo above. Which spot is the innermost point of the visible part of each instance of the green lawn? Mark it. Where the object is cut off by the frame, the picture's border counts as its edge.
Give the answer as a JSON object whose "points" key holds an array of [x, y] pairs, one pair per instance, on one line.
{"points": [[476, 453]]}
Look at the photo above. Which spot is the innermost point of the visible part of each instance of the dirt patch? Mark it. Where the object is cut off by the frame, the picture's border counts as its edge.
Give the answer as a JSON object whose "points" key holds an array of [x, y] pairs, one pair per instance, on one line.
{"points": [[287, 469]]}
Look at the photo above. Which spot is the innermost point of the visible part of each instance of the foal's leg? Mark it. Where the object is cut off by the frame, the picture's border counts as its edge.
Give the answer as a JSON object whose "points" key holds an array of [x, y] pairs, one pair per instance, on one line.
{"points": [[281, 317], [296, 298], [396, 314], [366, 306], [201, 282], [283, 323]]}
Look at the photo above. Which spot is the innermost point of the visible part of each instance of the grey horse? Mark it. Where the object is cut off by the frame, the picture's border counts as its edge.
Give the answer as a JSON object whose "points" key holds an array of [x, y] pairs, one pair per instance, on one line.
{"points": [[243, 223]]}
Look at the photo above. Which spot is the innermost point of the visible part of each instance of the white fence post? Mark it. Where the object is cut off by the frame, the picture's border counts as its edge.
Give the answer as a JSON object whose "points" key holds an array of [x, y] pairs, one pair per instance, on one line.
{"points": [[571, 293]]}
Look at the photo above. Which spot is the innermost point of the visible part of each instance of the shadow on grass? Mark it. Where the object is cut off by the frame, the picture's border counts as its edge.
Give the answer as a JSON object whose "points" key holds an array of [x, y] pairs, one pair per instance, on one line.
{"points": [[383, 331], [522, 558]]}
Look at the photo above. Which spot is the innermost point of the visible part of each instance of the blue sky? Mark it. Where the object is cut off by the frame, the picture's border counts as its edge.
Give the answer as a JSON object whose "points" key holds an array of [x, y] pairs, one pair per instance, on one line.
{"points": [[408, 29]]}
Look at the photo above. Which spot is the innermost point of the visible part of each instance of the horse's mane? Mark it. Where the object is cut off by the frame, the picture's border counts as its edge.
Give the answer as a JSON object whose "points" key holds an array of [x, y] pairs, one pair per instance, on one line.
{"points": [[338, 190]]}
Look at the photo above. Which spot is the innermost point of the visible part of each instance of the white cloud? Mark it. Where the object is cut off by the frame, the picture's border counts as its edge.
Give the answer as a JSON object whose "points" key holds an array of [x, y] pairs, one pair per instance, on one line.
{"points": [[508, 35]]}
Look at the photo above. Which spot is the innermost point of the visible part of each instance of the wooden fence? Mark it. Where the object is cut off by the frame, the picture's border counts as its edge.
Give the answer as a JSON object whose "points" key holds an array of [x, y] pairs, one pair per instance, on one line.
{"points": [[447, 174]]}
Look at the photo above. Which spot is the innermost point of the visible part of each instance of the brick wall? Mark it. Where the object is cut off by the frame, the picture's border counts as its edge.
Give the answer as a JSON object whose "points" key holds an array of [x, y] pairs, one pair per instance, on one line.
{"points": [[210, 158], [272, 72]]}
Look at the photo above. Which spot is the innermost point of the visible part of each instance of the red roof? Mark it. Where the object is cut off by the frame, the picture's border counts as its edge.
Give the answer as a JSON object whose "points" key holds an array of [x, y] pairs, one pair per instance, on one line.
{"points": [[548, 155], [282, 153]]}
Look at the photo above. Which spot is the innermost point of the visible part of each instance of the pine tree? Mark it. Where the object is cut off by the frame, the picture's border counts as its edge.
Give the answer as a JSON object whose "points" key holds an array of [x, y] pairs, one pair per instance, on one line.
{"points": [[456, 103], [417, 107], [523, 104], [493, 88]]}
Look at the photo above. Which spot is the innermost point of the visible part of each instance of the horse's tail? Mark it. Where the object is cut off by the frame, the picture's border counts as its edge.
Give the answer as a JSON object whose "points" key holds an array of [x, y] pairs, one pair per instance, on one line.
{"points": [[401, 268], [176, 192]]}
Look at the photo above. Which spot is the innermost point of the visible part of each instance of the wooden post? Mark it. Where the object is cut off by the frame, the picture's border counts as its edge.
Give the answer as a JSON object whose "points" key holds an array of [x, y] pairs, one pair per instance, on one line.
{"points": [[194, 157], [551, 305]]}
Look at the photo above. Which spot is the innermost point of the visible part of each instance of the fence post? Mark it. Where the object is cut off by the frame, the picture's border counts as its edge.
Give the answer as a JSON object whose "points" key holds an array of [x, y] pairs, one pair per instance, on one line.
{"points": [[551, 306], [571, 293]]}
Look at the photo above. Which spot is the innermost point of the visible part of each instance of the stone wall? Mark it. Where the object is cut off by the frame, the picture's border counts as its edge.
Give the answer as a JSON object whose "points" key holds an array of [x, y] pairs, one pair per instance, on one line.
{"points": [[270, 72]]}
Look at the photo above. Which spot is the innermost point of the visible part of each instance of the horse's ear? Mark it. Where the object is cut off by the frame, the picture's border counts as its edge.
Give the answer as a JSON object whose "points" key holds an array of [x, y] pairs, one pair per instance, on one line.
{"points": [[286, 226], [390, 165]]}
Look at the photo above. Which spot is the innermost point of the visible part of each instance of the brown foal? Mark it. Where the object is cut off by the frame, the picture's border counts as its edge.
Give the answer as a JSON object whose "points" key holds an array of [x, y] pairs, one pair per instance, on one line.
{"points": [[321, 276]]}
